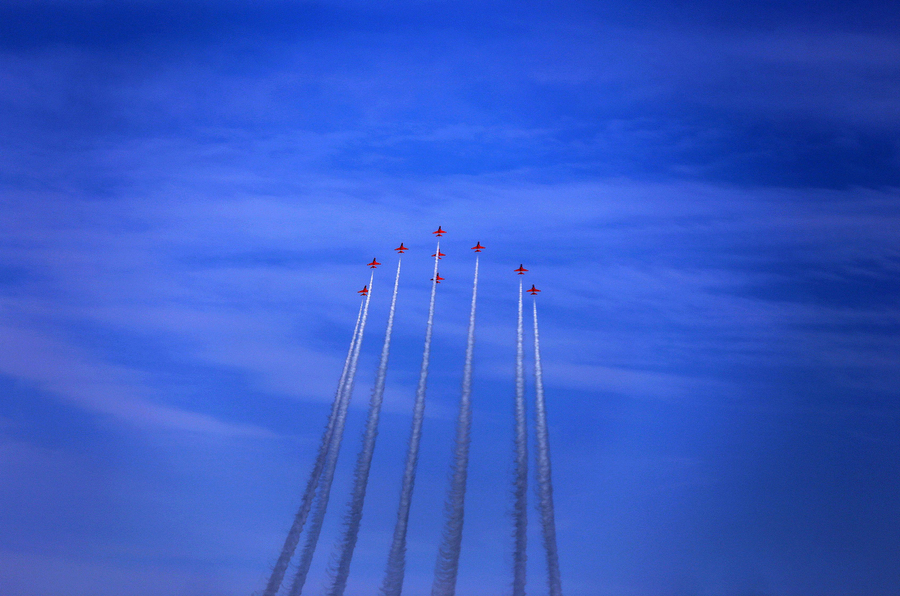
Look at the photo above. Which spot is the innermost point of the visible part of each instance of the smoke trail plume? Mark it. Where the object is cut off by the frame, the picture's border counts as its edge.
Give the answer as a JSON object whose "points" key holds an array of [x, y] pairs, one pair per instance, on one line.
{"points": [[545, 484], [520, 487], [293, 537], [448, 556], [396, 565], [341, 568], [315, 526]]}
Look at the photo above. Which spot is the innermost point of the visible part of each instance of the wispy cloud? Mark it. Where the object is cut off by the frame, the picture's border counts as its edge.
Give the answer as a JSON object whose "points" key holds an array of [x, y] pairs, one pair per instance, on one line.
{"points": [[226, 281], [98, 386]]}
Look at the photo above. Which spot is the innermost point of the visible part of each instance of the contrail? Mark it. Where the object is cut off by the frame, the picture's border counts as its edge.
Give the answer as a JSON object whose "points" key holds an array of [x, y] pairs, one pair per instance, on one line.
{"points": [[315, 526], [520, 508], [293, 537], [396, 565], [448, 556], [545, 483], [341, 569]]}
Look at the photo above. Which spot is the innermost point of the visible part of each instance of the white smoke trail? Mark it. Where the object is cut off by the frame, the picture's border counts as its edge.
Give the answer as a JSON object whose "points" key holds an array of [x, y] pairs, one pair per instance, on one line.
{"points": [[315, 526], [396, 565], [520, 488], [293, 537], [341, 568], [545, 483], [447, 565]]}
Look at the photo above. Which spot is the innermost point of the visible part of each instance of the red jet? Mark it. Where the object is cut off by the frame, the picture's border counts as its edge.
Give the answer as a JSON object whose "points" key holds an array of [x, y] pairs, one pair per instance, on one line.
{"points": [[439, 254], [401, 248], [373, 264], [439, 232], [533, 290], [477, 247], [521, 270], [364, 291], [437, 280]]}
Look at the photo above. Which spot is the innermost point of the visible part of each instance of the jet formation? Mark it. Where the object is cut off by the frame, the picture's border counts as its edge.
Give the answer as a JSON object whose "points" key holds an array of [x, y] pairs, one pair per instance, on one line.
{"points": [[439, 255], [315, 497]]}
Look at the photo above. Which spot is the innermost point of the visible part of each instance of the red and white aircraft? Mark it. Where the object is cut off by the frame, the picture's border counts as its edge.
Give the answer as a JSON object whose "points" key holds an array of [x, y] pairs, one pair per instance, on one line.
{"points": [[364, 291], [521, 270], [439, 254], [533, 290], [439, 232], [401, 248], [437, 280], [373, 264], [477, 247]]}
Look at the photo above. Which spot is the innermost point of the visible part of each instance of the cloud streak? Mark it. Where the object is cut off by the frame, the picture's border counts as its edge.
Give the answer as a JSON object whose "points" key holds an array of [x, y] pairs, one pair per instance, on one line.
{"points": [[115, 391]]}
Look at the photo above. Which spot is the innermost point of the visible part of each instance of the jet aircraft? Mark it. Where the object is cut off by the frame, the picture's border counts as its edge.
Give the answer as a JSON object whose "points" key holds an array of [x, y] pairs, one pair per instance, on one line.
{"points": [[401, 248], [437, 280], [439, 232], [477, 247], [533, 290], [364, 291], [439, 254], [521, 270], [373, 264]]}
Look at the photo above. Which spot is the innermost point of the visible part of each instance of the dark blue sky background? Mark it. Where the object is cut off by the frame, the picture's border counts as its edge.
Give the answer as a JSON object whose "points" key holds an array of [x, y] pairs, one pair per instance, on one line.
{"points": [[706, 192]]}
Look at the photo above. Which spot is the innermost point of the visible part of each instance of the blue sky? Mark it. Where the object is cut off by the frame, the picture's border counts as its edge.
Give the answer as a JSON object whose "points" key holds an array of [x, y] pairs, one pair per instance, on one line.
{"points": [[706, 193]]}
